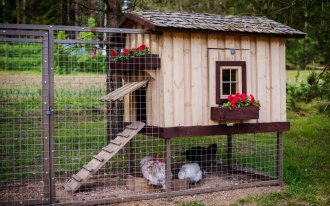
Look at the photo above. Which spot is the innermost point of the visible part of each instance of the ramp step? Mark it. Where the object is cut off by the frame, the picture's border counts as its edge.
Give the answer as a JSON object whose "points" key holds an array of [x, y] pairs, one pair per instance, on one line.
{"points": [[99, 158], [122, 134], [77, 178], [88, 168], [116, 142], [67, 188], [133, 126], [107, 149]]}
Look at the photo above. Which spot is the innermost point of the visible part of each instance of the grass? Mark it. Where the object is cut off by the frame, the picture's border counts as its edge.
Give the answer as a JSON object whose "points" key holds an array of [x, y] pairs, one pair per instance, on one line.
{"points": [[293, 76]]}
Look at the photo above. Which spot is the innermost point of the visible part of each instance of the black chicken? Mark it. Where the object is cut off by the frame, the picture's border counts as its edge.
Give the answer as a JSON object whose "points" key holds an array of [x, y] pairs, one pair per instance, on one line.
{"points": [[202, 155]]}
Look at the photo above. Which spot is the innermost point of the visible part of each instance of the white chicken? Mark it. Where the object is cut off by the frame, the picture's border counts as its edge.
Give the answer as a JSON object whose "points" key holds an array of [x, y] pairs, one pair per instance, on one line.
{"points": [[190, 171], [153, 169]]}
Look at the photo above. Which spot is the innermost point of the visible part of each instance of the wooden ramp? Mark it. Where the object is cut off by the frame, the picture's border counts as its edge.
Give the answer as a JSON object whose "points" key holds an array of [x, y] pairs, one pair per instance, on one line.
{"points": [[104, 156]]}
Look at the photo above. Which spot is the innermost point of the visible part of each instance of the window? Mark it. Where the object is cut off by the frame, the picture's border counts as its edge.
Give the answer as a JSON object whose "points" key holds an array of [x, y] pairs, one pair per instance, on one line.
{"points": [[230, 79]]}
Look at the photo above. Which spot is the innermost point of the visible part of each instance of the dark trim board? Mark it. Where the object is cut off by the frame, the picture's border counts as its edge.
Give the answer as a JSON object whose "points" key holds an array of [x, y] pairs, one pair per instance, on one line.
{"points": [[195, 131]]}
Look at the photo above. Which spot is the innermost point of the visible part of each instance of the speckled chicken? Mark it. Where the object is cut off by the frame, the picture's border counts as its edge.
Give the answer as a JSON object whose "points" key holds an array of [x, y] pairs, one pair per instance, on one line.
{"points": [[190, 171], [153, 169]]}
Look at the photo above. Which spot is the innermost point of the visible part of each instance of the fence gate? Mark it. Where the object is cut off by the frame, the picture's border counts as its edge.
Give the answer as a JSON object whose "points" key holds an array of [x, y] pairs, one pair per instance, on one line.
{"points": [[25, 151], [51, 119]]}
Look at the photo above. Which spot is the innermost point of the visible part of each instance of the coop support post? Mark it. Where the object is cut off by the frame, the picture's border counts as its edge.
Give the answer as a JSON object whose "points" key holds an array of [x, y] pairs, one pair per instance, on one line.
{"points": [[279, 155], [168, 167], [229, 151]]}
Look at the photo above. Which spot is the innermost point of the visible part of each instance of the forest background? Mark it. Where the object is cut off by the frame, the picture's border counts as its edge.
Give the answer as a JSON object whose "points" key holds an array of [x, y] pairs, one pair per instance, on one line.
{"points": [[309, 16]]}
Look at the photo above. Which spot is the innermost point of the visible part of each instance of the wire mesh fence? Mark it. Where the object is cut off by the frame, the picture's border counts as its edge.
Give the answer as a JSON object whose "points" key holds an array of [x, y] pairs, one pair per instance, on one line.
{"points": [[61, 128]]}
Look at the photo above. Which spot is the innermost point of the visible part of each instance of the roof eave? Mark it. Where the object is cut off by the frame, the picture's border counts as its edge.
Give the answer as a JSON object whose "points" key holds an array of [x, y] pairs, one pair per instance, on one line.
{"points": [[148, 25], [174, 29]]}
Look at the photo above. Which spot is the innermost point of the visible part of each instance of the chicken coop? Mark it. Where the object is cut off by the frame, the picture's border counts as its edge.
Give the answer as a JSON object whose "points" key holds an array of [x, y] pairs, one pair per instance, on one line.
{"points": [[105, 115]]}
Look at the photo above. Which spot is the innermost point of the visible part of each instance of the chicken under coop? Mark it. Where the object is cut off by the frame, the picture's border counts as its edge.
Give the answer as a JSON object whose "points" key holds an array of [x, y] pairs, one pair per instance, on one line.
{"points": [[197, 164]]}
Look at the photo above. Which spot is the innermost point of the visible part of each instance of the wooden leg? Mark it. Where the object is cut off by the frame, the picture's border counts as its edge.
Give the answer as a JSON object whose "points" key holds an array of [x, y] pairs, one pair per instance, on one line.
{"points": [[229, 151], [280, 158], [168, 168]]}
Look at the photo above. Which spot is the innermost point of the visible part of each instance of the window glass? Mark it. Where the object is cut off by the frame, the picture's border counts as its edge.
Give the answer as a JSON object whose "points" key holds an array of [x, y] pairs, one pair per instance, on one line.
{"points": [[233, 75], [225, 74], [230, 81], [226, 89], [234, 88]]}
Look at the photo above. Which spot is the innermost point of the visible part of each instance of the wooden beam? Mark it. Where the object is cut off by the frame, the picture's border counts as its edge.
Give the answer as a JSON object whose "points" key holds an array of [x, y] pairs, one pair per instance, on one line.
{"points": [[211, 130]]}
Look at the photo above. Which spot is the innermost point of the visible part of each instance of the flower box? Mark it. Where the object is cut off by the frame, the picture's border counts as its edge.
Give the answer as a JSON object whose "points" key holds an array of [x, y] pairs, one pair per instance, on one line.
{"points": [[149, 61], [242, 113]]}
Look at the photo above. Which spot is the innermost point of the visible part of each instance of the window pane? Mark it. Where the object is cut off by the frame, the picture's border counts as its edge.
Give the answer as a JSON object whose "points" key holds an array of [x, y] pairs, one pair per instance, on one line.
{"points": [[234, 88], [234, 74], [225, 75], [225, 88]]}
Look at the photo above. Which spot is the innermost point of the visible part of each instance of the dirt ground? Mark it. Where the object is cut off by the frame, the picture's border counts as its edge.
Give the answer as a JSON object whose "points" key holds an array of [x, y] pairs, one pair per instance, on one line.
{"points": [[212, 199]]}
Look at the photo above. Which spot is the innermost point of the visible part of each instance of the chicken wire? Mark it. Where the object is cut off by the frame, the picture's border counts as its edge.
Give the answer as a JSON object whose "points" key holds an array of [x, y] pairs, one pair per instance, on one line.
{"points": [[36, 169]]}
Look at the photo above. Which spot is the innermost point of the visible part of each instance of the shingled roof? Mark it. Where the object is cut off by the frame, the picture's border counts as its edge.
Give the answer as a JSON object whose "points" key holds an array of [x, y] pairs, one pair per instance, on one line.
{"points": [[171, 21]]}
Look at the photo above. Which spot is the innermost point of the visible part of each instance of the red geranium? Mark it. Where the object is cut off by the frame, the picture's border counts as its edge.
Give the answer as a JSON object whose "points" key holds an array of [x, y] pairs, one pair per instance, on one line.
{"points": [[127, 53], [113, 53], [252, 100], [142, 47], [241, 100]]}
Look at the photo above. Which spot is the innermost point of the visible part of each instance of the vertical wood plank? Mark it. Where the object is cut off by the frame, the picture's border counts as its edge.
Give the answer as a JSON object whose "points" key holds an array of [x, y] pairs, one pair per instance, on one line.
{"points": [[187, 79], [160, 84], [196, 79], [154, 86], [178, 79], [275, 80], [247, 57], [133, 38], [268, 80], [140, 37], [238, 52], [167, 70], [261, 77], [213, 57], [282, 79], [221, 44], [205, 82], [253, 58], [229, 43]]}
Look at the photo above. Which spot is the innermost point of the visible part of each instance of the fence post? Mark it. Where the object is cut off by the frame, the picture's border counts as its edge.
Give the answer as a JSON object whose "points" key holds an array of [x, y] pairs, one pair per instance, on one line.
{"points": [[51, 116]]}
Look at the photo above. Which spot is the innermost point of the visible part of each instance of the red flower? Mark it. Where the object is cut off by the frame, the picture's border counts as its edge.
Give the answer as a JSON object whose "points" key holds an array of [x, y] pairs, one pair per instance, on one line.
{"points": [[230, 97], [233, 105], [142, 47], [124, 52], [252, 99], [243, 97], [113, 53]]}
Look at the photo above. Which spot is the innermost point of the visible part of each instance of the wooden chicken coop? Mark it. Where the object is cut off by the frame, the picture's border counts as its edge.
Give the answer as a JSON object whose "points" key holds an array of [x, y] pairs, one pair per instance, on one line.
{"points": [[196, 62]]}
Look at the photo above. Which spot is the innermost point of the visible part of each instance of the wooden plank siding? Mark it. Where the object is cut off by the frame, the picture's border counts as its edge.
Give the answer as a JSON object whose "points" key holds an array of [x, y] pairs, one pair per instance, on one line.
{"points": [[178, 79], [187, 79], [183, 89]]}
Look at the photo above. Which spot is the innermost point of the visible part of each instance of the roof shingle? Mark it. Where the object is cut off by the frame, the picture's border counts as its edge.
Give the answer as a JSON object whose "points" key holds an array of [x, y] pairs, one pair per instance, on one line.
{"points": [[161, 21]]}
